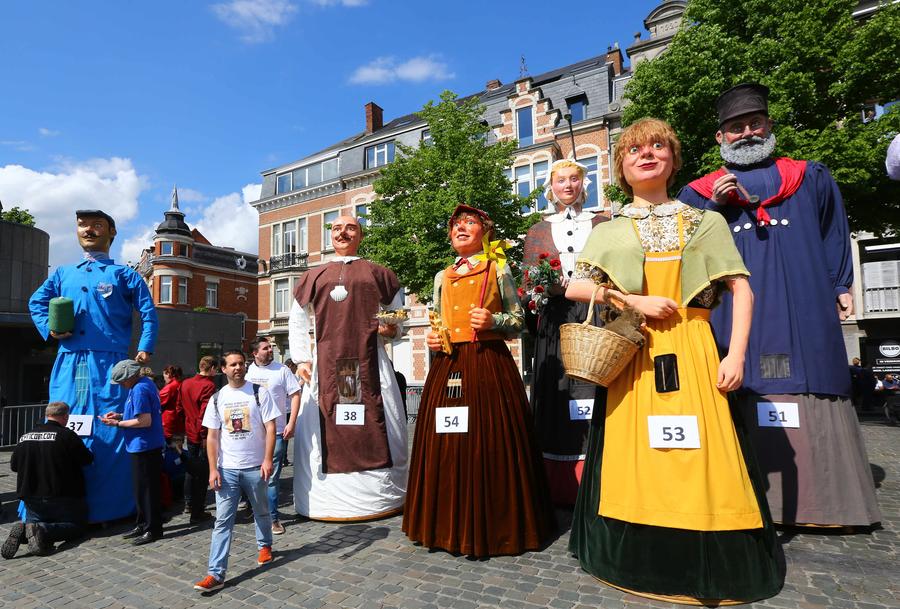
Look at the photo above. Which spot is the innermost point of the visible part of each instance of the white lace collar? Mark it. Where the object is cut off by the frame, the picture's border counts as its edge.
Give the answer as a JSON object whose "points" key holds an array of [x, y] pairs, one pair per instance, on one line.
{"points": [[567, 214], [660, 210]]}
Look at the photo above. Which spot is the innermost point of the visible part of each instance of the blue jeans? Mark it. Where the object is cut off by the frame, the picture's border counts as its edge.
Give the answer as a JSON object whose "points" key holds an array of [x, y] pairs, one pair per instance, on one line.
{"points": [[62, 517], [277, 462], [233, 482]]}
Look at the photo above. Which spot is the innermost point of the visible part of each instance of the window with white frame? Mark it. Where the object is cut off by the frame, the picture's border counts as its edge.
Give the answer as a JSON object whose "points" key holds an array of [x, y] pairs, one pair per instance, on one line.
{"points": [[593, 174], [327, 219], [165, 290], [182, 291], [525, 126], [361, 211], [276, 240], [289, 233], [299, 178], [282, 296], [283, 183], [330, 169], [529, 177], [166, 248], [212, 295], [302, 241], [426, 137], [379, 154]]}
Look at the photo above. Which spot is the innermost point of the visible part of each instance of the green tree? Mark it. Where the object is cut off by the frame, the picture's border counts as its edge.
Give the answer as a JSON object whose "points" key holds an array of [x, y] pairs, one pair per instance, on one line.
{"points": [[407, 222], [18, 215], [821, 65]]}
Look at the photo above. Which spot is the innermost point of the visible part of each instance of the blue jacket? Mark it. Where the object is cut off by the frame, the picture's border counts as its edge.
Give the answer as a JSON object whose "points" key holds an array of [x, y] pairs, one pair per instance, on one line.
{"points": [[104, 294]]}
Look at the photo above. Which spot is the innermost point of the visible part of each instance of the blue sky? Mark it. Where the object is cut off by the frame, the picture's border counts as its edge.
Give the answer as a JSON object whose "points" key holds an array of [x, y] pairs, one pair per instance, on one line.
{"points": [[108, 104]]}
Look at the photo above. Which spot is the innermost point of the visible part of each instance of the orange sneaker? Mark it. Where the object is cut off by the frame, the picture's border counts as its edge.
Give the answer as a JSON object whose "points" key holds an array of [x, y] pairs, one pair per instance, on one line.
{"points": [[265, 556], [208, 584]]}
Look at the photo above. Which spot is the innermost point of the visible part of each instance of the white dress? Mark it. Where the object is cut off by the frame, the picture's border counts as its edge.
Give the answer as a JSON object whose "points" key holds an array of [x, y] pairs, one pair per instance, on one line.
{"points": [[356, 495]]}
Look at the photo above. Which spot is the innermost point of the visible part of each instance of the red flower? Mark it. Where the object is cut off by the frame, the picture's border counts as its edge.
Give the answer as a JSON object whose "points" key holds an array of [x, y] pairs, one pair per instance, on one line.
{"points": [[526, 273], [538, 289], [543, 255], [532, 305], [521, 292], [554, 264]]}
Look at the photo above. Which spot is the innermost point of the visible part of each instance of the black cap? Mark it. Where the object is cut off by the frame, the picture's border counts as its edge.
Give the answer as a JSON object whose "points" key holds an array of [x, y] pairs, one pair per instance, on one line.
{"points": [[745, 98], [97, 213]]}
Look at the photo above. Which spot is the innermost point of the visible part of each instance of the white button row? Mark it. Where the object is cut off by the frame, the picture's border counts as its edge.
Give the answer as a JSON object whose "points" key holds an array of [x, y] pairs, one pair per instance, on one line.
{"points": [[749, 225]]}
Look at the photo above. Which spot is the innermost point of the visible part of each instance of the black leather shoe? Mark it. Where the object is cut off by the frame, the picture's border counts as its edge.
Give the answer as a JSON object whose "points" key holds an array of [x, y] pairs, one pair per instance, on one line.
{"points": [[135, 532], [147, 537]]}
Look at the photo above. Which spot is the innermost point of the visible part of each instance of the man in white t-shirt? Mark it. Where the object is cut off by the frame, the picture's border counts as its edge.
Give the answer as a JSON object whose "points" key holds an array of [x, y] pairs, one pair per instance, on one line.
{"points": [[283, 386], [240, 418]]}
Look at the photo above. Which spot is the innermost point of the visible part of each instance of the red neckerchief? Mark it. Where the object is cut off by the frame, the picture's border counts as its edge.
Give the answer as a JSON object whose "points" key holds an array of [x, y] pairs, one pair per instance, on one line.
{"points": [[791, 172]]}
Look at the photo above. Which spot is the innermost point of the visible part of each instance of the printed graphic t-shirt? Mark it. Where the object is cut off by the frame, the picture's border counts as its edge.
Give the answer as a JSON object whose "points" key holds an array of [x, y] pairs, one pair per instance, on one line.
{"points": [[242, 441], [280, 382]]}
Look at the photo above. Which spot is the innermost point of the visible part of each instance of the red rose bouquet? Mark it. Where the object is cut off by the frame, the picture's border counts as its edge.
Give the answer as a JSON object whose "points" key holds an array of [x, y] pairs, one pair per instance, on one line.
{"points": [[540, 279]]}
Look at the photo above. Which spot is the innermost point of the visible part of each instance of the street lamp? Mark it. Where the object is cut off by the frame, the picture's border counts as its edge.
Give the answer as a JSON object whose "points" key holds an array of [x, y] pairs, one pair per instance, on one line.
{"points": [[568, 117]]}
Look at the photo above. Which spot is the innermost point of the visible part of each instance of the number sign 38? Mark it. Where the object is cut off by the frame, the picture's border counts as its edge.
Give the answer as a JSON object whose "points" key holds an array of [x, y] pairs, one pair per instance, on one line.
{"points": [[452, 419], [350, 414]]}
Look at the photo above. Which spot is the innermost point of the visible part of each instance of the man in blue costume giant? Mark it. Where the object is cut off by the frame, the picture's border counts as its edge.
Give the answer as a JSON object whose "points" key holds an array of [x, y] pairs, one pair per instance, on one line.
{"points": [[104, 294], [788, 221]]}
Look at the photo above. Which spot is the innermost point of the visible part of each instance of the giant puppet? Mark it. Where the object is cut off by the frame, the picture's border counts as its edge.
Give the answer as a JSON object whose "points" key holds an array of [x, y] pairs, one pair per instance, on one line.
{"points": [[103, 295], [350, 445], [787, 219]]}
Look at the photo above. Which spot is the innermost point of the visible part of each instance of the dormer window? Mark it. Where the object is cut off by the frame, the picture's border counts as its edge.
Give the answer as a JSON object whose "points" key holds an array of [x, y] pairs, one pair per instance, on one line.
{"points": [[379, 154], [525, 126], [577, 108]]}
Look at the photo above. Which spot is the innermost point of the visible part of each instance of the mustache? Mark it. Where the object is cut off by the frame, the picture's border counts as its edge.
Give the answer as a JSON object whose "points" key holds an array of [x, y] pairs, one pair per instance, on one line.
{"points": [[753, 140]]}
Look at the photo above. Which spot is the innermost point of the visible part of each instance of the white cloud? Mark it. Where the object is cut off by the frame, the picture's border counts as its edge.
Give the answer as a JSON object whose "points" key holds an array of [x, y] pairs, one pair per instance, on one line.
{"points": [[48, 132], [133, 247], [52, 197], [189, 195], [341, 2], [255, 20], [18, 145], [384, 70], [230, 221]]}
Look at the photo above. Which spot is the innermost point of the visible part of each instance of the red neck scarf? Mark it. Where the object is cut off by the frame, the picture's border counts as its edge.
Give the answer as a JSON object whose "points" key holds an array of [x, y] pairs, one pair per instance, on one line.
{"points": [[791, 172]]}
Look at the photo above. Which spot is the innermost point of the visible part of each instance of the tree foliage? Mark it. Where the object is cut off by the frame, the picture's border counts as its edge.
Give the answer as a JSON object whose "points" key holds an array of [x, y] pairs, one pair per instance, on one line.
{"points": [[407, 222], [18, 215], [821, 66]]}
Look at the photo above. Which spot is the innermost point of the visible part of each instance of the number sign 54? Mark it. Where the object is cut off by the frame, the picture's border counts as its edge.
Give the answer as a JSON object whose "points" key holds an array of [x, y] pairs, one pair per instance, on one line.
{"points": [[453, 419]]}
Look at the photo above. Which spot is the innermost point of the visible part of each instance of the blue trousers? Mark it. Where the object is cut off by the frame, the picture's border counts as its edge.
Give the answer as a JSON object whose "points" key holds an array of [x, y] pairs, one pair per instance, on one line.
{"points": [[62, 517], [233, 482]]}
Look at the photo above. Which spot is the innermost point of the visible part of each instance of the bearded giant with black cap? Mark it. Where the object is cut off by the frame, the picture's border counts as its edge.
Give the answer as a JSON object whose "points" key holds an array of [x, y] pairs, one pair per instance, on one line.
{"points": [[788, 221]]}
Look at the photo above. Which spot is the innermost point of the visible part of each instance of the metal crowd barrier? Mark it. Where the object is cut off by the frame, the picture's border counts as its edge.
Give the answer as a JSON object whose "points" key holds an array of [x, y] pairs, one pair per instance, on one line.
{"points": [[413, 399], [17, 420]]}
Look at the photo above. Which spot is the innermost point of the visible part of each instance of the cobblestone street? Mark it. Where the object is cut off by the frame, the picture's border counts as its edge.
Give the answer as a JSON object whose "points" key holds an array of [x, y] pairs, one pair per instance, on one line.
{"points": [[372, 565]]}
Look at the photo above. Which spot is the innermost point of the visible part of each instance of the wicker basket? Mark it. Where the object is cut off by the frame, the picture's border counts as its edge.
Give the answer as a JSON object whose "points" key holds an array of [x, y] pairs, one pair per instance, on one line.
{"points": [[594, 354]]}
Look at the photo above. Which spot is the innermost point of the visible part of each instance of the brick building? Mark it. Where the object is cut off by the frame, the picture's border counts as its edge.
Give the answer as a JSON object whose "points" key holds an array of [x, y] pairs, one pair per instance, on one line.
{"points": [[547, 113], [185, 272]]}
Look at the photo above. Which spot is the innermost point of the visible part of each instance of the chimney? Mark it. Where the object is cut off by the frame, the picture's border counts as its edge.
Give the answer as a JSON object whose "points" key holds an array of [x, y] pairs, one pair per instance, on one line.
{"points": [[493, 84], [374, 117], [614, 56]]}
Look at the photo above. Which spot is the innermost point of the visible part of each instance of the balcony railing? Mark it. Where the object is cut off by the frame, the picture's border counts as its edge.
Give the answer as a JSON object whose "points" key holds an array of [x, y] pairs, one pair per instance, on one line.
{"points": [[286, 262]]}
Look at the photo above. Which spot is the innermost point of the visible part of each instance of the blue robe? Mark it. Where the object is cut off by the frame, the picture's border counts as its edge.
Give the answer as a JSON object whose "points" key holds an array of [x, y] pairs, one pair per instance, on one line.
{"points": [[797, 270], [104, 295]]}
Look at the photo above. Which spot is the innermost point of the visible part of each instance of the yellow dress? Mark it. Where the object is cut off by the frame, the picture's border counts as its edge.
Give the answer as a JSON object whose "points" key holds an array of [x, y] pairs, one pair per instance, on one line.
{"points": [[672, 508], [705, 488]]}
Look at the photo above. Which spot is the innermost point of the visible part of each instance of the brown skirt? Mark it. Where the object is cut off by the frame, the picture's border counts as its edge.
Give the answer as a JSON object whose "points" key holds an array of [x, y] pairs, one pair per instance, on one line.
{"points": [[483, 492]]}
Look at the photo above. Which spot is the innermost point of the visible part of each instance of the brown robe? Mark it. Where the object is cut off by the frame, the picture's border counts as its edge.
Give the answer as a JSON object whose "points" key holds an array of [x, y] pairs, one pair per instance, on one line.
{"points": [[347, 332]]}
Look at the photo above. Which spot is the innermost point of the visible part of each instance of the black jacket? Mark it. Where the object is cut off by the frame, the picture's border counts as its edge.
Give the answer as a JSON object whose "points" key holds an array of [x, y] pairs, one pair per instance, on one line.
{"points": [[49, 461]]}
